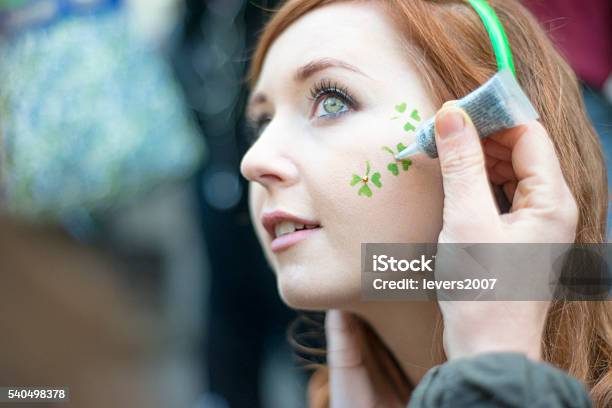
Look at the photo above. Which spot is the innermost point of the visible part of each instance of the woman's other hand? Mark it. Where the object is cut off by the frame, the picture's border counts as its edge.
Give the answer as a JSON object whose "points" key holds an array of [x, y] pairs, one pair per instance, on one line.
{"points": [[352, 383]]}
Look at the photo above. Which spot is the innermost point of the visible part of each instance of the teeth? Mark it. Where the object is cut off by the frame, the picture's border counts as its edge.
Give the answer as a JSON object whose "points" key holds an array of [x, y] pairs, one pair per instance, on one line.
{"points": [[284, 228], [287, 227]]}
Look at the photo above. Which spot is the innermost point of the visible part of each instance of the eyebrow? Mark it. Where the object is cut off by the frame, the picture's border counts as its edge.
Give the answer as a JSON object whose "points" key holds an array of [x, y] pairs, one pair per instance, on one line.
{"points": [[305, 72]]}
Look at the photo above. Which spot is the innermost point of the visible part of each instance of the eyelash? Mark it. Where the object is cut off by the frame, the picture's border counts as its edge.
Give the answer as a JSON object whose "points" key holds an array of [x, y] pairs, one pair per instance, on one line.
{"points": [[328, 88], [321, 89]]}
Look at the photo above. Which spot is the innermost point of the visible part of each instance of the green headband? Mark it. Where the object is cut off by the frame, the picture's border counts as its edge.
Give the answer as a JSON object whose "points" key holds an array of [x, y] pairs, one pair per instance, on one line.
{"points": [[501, 47]]}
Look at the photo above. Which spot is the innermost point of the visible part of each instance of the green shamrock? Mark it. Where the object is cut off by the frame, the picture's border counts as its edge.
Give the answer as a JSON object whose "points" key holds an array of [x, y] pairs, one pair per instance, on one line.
{"points": [[401, 108], [394, 166], [414, 116], [365, 189]]}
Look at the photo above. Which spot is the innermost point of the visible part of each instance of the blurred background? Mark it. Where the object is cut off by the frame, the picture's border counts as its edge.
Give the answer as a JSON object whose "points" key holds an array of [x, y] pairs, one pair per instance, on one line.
{"points": [[128, 266], [129, 271]]}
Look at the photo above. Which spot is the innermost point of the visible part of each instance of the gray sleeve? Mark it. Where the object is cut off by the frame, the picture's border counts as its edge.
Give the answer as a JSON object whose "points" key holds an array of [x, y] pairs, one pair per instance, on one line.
{"points": [[498, 380]]}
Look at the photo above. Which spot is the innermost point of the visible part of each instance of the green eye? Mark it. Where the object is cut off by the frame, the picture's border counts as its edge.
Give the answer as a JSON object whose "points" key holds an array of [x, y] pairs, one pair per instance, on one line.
{"points": [[331, 106]]}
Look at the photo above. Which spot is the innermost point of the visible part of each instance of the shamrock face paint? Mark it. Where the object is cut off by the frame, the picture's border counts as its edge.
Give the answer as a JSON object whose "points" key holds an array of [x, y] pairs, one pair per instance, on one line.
{"points": [[324, 152], [364, 181], [394, 167], [412, 118]]}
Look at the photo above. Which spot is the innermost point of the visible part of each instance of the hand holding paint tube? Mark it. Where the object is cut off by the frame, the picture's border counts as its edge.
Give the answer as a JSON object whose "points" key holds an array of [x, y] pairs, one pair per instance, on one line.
{"points": [[522, 162]]}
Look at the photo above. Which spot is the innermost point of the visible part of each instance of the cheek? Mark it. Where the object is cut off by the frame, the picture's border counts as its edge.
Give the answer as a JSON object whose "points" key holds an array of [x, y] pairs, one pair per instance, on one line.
{"points": [[407, 208], [411, 206], [256, 201], [404, 205]]}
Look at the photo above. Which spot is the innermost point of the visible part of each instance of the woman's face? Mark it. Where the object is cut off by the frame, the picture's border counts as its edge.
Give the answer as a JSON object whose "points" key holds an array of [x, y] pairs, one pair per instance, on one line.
{"points": [[335, 88]]}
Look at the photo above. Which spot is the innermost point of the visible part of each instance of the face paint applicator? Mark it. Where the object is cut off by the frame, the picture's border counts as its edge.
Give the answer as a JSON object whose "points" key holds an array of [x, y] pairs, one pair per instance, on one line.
{"points": [[498, 104]]}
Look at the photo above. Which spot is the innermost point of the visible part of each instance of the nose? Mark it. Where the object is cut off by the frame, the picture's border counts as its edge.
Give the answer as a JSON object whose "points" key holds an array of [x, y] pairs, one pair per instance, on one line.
{"points": [[270, 162]]}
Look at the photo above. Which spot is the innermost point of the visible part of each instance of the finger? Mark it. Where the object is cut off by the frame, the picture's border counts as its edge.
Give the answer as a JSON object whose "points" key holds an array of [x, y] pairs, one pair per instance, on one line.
{"points": [[541, 183], [349, 381], [505, 171], [498, 162], [497, 150], [509, 190], [496, 178], [533, 152], [342, 341], [490, 162], [462, 162]]}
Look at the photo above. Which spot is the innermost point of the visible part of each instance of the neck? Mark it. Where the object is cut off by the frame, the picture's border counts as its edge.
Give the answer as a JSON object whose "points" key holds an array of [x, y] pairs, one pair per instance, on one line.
{"points": [[408, 329]]}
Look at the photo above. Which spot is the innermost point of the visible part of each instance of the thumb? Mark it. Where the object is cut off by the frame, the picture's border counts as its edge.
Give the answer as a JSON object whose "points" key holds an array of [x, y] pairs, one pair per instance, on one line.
{"points": [[467, 193]]}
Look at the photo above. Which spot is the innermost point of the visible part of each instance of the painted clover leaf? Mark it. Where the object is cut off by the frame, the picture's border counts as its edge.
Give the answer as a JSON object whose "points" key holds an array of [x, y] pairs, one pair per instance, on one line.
{"points": [[414, 116], [394, 167], [365, 189]]}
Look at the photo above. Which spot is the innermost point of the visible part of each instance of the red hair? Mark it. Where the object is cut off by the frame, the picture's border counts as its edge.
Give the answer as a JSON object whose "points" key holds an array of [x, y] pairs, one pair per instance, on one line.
{"points": [[455, 58]]}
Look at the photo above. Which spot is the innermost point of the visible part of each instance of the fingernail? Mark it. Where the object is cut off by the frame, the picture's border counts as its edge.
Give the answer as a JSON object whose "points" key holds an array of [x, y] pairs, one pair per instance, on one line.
{"points": [[450, 121]]}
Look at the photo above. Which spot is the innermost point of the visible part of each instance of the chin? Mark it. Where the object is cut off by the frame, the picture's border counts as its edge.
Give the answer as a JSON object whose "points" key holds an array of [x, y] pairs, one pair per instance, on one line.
{"points": [[317, 289]]}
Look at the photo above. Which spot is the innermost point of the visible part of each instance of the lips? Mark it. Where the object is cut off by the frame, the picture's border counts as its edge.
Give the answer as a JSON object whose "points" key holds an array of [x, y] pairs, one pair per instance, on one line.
{"points": [[287, 229]]}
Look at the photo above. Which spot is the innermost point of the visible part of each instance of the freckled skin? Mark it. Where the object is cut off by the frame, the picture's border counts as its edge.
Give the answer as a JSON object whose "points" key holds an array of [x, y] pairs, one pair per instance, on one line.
{"points": [[304, 165]]}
